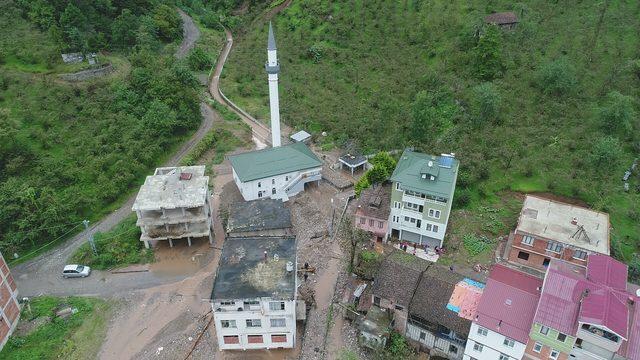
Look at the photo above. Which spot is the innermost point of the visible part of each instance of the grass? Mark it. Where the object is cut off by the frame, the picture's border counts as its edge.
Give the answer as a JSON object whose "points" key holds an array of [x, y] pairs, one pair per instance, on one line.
{"points": [[79, 336], [375, 56], [118, 247]]}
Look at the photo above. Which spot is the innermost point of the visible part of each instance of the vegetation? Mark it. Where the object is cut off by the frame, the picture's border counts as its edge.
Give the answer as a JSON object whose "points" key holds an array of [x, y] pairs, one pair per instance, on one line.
{"points": [[477, 244], [77, 336], [221, 140], [368, 264], [383, 165], [397, 348], [117, 247], [72, 151], [432, 75]]}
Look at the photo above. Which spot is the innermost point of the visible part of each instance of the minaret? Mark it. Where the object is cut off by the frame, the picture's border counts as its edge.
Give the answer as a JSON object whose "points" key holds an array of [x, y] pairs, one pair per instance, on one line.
{"points": [[273, 68]]}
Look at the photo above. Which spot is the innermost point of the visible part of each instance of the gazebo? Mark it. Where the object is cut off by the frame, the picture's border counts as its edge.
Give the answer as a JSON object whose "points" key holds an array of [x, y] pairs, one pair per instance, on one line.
{"points": [[353, 162]]}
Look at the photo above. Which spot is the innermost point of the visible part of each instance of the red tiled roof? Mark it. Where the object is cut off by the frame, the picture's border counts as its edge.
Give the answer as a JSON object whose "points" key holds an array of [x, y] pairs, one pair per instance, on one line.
{"points": [[604, 270], [508, 303]]}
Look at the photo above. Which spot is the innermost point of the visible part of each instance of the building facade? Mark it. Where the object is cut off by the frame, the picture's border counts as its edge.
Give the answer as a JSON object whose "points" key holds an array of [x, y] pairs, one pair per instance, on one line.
{"points": [[174, 203], [421, 197], [9, 307], [548, 229], [276, 173], [254, 294], [372, 211]]}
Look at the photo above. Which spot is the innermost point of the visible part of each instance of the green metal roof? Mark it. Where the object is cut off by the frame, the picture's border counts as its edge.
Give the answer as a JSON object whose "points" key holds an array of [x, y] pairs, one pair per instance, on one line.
{"points": [[412, 164], [269, 162]]}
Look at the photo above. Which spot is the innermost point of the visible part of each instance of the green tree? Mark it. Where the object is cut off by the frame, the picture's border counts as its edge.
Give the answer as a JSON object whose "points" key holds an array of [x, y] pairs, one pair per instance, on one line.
{"points": [[168, 23], [488, 54], [557, 78], [617, 114], [159, 119], [384, 160], [606, 154], [377, 174], [199, 60], [432, 113], [123, 29], [485, 104]]}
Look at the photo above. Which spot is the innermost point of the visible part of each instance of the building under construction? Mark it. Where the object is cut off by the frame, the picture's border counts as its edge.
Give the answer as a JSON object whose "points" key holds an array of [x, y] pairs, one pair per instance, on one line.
{"points": [[174, 203]]}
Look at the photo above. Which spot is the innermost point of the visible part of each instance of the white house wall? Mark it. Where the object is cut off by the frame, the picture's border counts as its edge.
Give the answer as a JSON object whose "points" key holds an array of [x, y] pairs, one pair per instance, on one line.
{"points": [[437, 345], [493, 346], [250, 189]]}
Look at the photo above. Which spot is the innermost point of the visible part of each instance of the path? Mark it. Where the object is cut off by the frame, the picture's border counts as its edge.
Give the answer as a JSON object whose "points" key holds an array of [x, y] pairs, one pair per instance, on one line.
{"points": [[42, 274], [190, 34]]}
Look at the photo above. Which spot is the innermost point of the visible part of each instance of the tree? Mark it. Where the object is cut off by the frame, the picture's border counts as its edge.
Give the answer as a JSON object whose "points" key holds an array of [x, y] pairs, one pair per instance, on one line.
{"points": [[384, 160], [606, 153], [557, 78], [485, 104], [617, 114], [168, 23], [377, 174], [159, 119], [432, 113], [199, 60], [123, 29], [488, 54]]}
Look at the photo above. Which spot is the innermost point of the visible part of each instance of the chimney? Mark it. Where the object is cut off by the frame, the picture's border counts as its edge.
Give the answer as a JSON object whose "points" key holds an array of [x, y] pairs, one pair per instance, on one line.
{"points": [[574, 221]]}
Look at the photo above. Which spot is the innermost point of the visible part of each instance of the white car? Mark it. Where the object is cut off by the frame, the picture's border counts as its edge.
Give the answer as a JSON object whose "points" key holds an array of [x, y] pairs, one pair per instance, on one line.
{"points": [[70, 271]]}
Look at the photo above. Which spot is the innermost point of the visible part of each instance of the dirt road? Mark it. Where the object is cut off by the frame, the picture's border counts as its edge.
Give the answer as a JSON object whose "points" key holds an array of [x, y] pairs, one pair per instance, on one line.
{"points": [[190, 34]]}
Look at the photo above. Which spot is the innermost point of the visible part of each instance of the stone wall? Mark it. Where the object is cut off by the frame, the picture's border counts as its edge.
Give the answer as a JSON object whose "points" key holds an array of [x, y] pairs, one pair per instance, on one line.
{"points": [[88, 74]]}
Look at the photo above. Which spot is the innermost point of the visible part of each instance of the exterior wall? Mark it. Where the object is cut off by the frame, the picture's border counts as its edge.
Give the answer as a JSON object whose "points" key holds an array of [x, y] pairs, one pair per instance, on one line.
{"points": [[9, 308], [538, 253], [493, 346], [260, 312], [376, 229], [550, 339], [438, 345], [399, 316], [544, 352], [250, 189], [591, 340]]}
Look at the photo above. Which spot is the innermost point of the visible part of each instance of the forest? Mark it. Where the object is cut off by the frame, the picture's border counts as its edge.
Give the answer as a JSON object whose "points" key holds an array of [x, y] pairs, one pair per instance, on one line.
{"points": [[70, 151], [550, 106]]}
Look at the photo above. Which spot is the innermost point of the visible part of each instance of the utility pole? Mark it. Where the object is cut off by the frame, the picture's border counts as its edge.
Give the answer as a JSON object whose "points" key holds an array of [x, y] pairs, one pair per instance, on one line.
{"points": [[93, 244], [333, 212]]}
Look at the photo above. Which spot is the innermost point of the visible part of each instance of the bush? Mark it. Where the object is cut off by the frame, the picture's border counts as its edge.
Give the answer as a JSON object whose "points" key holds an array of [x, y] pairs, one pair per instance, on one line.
{"points": [[557, 78], [485, 105], [488, 54], [199, 60], [461, 198], [606, 154], [476, 244], [362, 184], [368, 264], [168, 23], [617, 114]]}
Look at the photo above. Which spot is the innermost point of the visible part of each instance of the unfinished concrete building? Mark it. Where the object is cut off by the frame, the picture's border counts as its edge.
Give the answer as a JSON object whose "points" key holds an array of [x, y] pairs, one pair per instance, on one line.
{"points": [[264, 217], [174, 203]]}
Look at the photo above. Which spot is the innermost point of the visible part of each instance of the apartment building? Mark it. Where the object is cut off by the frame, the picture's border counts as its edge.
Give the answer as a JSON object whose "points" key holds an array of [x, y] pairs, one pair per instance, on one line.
{"points": [[421, 197], [548, 229], [254, 294]]}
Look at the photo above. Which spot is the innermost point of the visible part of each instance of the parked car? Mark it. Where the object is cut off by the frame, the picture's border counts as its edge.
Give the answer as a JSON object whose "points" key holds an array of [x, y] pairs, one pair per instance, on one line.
{"points": [[70, 271]]}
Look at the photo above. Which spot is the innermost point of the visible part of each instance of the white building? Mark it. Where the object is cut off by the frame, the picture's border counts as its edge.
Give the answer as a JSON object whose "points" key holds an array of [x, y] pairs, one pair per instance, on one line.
{"points": [[277, 173], [254, 294]]}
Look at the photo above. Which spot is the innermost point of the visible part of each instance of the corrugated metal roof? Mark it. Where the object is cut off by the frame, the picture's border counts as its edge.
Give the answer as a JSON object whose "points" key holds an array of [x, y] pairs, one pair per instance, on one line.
{"points": [[270, 162], [410, 167], [508, 303], [602, 307], [607, 271]]}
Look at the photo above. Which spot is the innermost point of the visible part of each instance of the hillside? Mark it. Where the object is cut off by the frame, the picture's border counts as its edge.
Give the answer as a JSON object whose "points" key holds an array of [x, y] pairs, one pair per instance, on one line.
{"points": [[69, 151], [548, 107]]}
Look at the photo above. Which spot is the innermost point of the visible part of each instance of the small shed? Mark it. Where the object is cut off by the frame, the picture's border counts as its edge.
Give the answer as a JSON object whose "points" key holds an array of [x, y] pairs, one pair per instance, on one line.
{"points": [[353, 162], [505, 20], [301, 136], [375, 328]]}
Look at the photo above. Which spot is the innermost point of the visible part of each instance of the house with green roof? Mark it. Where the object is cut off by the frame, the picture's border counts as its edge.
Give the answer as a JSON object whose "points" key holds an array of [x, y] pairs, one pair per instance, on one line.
{"points": [[277, 172], [421, 196]]}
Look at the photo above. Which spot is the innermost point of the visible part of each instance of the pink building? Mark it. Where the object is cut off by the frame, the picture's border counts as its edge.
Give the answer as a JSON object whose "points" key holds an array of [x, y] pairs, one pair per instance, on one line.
{"points": [[9, 309], [372, 214]]}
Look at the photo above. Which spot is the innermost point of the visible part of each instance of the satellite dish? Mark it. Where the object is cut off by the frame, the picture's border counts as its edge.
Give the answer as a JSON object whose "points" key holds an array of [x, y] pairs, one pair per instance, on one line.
{"points": [[638, 293]]}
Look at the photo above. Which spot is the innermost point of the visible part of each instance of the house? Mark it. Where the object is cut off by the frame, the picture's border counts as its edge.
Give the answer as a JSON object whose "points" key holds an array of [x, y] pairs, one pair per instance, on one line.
{"points": [[9, 308], [505, 20], [586, 313], [432, 323], [254, 294], [265, 217], [548, 229], [504, 316], [277, 172], [372, 211], [395, 283], [421, 197], [374, 328], [174, 203]]}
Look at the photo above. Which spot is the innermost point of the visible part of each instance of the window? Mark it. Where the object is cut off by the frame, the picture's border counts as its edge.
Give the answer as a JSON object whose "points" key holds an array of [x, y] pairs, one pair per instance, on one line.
{"points": [[453, 349], [228, 323], [523, 255], [435, 228], [527, 240], [380, 224], [279, 322], [254, 339], [398, 307], [418, 223], [482, 331], [286, 178], [561, 337], [437, 214], [363, 221], [227, 303], [273, 191], [546, 262], [254, 323], [253, 302], [423, 335], [478, 347], [259, 184], [431, 211], [508, 342], [396, 204], [554, 247], [395, 219], [544, 330], [429, 227], [503, 357], [411, 206], [554, 354], [579, 254], [279, 338], [537, 347], [371, 222], [259, 194], [273, 181], [397, 186], [376, 300], [406, 218], [276, 305], [231, 339]]}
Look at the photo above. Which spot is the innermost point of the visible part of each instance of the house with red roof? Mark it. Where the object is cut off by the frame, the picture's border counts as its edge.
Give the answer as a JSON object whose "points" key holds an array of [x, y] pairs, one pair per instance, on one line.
{"points": [[500, 329], [589, 314]]}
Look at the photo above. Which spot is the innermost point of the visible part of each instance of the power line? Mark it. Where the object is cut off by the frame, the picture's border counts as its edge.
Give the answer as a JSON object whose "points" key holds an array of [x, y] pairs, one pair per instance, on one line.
{"points": [[46, 228], [116, 235], [52, 241]]}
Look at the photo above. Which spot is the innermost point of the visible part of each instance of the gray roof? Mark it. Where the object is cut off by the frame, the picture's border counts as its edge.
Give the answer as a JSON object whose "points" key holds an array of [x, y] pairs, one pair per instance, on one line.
{"points": [[172, 188], [256, 215], [300, 136], [375, 201], [412, 165], [398, 276], [271, 43], [243, 272]]}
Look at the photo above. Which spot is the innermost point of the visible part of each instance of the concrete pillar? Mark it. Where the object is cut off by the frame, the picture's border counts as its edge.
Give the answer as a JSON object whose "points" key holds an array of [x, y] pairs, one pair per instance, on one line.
{"points": [[146, 244], [189, 240], [170, 243], [210, 238]]}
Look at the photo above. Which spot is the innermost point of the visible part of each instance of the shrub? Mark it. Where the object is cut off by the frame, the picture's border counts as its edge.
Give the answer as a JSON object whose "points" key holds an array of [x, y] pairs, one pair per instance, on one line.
{"points": [[485, 105], [368, 264], [362, 184], [476, 244], [488, 54], [617, 114], [199, 60], [168, 23], [557, 77], [461, 198], [606, 154]]}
